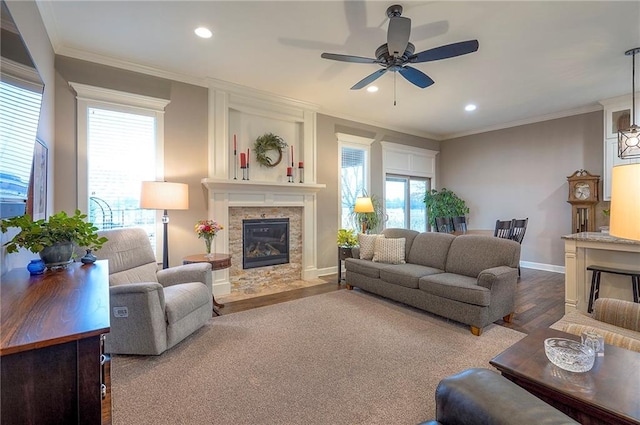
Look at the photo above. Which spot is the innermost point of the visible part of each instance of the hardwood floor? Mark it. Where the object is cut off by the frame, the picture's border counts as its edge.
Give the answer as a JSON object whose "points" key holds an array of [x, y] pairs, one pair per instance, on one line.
{"points": [[539, 299]]}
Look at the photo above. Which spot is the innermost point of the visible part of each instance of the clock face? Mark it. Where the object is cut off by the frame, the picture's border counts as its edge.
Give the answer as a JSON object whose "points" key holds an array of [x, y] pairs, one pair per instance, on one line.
{"points": [[582, 191]]}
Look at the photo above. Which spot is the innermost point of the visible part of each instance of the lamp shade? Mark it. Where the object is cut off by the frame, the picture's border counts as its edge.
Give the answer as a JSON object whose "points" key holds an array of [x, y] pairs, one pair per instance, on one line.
{"points": [[363, 205], [625, 202], [164, 196]]}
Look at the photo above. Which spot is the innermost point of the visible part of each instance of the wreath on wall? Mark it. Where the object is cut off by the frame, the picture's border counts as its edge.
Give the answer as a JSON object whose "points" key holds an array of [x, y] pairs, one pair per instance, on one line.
{"points": [[265, 144]]}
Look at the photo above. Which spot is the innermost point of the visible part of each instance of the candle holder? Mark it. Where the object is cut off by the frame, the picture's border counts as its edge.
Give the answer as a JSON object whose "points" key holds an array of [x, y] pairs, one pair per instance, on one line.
{"points": [[235, 164], [244, 172], [290, 174], [301, 172], [247, 169]]}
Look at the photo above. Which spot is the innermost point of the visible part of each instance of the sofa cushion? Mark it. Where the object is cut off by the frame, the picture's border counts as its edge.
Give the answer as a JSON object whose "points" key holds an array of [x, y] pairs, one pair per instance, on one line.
{"points": [[367, 245], [364, 267], [456, 287], [407, 234], [406, 275], [390, 251], [430, 249], [471, 254], [182, 299]]}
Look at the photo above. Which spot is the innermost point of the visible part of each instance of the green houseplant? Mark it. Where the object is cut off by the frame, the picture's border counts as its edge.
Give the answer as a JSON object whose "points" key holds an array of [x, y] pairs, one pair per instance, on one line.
{"points": [[444, 203], [347, 238], [53, 239]]}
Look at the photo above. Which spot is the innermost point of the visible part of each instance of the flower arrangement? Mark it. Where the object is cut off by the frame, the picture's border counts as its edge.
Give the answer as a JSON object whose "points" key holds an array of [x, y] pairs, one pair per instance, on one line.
{"points": [[207, 230]]}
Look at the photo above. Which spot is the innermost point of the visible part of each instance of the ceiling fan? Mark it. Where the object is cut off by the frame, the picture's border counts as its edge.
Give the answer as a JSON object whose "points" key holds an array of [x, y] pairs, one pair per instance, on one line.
{"points": [[398, 52]]}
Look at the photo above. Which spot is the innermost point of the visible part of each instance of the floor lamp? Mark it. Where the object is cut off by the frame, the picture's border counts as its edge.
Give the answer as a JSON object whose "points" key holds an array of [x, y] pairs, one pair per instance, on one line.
{"points": [[164, 196], [363, 205]]}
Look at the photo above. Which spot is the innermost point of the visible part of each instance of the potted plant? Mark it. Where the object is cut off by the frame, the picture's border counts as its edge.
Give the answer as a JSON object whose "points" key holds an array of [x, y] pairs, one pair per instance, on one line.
{"points": [[444, 204], [374, 219], [54, 239], [346, 240]]}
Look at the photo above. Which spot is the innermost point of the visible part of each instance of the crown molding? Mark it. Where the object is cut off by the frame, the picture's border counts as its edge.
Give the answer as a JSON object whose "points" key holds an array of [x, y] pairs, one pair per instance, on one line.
{"points": [[533, 120]]}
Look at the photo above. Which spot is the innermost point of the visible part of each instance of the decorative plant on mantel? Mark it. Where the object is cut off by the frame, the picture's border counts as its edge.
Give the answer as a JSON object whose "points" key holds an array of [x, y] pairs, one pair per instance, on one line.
{"points": [[444, 203], [265, 144]]}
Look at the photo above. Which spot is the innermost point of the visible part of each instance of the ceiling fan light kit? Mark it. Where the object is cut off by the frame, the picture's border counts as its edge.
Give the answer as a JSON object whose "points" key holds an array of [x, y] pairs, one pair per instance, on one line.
{"points": [[628, 139], [397, 53]]}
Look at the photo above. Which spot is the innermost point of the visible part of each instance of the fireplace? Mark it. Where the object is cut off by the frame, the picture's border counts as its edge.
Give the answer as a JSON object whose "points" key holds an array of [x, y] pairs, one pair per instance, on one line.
{"points": [[265, 242]]}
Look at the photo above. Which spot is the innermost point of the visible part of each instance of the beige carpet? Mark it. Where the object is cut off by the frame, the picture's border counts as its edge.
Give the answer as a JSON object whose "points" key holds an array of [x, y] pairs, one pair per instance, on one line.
{"points": [[344, 357]]}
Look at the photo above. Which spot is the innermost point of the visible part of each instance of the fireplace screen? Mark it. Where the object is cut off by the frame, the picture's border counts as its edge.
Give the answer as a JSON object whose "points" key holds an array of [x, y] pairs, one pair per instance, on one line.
{"points": [[265, 242]]}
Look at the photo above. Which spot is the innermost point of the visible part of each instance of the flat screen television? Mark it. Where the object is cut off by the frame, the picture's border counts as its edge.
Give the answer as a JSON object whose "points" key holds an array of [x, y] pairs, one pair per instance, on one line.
{"points": [[20, 99]]}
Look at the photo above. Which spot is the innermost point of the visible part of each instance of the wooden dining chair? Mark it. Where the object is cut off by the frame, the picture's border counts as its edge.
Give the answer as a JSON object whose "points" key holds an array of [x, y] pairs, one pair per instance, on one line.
{"points": [[504, 229], [460, 224], [443, 225], [519, 228]]}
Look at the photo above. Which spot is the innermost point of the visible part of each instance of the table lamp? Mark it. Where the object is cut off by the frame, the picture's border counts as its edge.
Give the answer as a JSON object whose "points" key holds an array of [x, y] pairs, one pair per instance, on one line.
{"points": [[625, 202], [164, 196], [363, 205]]}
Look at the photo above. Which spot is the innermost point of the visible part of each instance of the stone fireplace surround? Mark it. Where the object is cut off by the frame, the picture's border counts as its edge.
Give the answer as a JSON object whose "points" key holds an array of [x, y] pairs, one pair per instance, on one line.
{"points": [[232, 201]]}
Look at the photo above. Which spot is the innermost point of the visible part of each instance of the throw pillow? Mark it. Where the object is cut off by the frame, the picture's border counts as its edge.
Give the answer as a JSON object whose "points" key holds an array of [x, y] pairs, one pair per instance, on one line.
{"points": [[367, 245], [389, 251]]}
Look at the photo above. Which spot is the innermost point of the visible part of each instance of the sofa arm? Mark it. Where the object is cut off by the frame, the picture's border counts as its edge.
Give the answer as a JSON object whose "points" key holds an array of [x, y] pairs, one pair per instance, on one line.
{"points": [[481, 396], [195, 272], [625, 314], [138, 323], [497, 275]]}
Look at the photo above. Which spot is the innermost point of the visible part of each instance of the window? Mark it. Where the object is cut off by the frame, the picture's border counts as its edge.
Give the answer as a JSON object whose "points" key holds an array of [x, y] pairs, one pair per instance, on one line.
{"points": [[404, 202], [19, 112], [120, 145], [354, 175]]}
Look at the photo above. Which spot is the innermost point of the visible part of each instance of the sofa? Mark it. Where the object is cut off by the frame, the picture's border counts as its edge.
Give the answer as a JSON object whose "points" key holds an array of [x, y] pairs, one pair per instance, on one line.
{"points": [[469, 278], [151, 309], [618, 321], [483, 397]]}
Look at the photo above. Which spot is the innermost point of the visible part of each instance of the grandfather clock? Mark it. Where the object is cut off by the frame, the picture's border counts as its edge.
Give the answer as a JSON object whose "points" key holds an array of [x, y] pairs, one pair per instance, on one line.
{"points": [[583, 197]]}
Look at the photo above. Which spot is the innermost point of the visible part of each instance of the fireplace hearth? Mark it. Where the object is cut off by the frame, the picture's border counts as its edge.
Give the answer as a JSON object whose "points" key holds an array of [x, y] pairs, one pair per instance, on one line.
{"points": [[265, 242]]}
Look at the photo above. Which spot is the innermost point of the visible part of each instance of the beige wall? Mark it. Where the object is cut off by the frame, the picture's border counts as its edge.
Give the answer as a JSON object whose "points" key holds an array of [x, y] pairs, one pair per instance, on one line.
{"points": [[522, 172], [328, 202], [185, 140], [27, 18]]}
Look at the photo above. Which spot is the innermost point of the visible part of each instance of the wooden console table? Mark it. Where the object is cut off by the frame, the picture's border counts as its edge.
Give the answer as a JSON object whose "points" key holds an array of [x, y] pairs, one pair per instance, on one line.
{"points": [[50, 345]]}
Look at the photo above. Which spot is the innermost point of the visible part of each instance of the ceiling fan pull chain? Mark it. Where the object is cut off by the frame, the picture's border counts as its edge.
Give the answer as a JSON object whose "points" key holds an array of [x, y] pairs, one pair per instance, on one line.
{"points": [[394, 88]]}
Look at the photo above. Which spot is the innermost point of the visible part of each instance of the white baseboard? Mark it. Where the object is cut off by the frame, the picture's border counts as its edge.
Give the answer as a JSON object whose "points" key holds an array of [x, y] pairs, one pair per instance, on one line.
{"points": [[542, 266], [327, 271], [221, 288]]}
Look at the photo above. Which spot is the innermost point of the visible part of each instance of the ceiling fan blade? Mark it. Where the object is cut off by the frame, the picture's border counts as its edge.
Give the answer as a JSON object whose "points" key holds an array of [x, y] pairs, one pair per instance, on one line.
{"points": [[444, 52], [369, 79], [398, 34], [347, 58], [416, 77]]}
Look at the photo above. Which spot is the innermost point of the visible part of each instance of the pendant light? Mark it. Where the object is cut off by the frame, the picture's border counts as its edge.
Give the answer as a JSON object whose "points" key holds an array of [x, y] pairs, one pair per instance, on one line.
{"points": [[629, 139]]}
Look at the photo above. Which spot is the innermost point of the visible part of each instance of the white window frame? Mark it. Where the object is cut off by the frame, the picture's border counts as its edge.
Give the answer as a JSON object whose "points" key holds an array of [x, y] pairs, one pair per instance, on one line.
{"points": [[97, 97], [350, 141]]}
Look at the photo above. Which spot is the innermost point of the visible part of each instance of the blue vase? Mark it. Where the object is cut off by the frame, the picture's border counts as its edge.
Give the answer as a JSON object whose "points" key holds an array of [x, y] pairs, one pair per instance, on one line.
{"points": [[88, 258], [36, 266]]}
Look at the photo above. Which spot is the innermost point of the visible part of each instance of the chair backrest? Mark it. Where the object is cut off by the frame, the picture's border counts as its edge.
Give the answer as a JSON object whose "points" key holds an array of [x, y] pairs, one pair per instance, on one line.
{"points": [[130, 256], [503, 229], [443, 224], [460, 224], [519, 228]]}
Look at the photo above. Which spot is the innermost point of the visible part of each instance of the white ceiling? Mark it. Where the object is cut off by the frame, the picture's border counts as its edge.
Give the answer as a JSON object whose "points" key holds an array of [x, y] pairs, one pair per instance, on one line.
{"points": [[536, 59]]}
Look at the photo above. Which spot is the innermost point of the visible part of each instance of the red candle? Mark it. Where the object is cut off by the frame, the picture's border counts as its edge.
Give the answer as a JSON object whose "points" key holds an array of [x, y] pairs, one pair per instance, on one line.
{"points": [[235, 146], [289, 172], [248, 157], [243, 160], [300, 164]]}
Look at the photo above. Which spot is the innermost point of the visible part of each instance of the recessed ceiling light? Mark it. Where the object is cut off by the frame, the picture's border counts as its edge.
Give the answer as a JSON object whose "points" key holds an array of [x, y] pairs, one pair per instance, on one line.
{"points": [[203, 32], [372, 89], [470, 107]]}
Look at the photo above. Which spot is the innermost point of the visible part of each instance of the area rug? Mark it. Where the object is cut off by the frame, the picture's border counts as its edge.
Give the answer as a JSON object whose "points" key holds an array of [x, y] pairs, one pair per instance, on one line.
{"points": [[345, 357]]}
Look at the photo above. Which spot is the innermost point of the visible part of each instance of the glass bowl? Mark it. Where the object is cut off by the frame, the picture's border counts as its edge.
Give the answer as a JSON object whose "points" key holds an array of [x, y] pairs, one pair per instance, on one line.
{"points": [[569, 355]]}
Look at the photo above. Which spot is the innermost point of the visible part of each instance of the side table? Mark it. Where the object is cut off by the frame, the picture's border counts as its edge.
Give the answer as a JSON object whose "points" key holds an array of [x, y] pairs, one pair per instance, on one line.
{"points": [[217, 261], [343, 253]]}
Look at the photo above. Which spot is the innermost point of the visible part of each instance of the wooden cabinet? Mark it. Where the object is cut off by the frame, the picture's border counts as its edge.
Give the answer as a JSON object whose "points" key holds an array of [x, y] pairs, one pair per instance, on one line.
{"points": [[617, 114], [50, 345]]}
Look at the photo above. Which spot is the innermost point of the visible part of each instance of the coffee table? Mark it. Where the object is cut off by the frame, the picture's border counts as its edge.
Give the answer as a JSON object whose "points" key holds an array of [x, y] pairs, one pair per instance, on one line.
{"points": [[607, 394]]}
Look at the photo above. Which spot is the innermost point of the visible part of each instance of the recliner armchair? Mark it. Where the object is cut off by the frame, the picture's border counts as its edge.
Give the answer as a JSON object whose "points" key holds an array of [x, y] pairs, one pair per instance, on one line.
{"points": [[151, 310]]}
